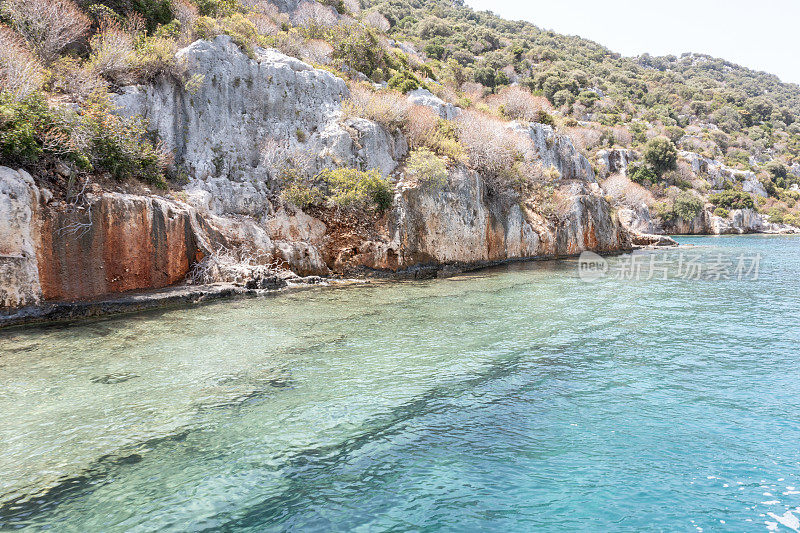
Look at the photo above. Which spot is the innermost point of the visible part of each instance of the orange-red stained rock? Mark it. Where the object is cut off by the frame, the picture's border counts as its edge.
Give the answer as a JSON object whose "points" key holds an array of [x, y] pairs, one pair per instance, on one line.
{"points": [[132, 243]]}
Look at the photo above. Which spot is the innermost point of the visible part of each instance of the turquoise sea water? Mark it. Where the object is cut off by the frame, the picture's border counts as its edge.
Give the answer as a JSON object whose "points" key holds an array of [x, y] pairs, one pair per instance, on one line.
{"points": [[516, 399]]}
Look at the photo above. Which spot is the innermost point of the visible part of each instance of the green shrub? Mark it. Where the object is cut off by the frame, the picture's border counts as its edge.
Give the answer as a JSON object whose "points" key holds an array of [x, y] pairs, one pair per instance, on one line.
{"points": [[434, 50], [588, 98], [404, 82], [205, 28], [242, 31], [30, 129], [217, 8], [675, 133], [543, 117], [427, 168], [687, 206], [732, 200], [31, 132], [664, 211], [357, 48], [640, 173], [661, 154], [153, 12], [777, 215], [721, 212], [119, 145], [155, 56], [303, 196], [351, 188]]}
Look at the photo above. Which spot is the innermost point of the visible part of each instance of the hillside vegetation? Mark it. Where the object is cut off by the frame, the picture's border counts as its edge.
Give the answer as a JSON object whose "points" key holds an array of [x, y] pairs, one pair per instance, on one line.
{"points": [[60, 59]]}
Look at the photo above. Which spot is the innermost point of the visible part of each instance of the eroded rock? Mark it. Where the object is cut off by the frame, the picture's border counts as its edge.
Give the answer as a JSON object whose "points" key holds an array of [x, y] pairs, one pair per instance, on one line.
{"points": [[19, 233]]}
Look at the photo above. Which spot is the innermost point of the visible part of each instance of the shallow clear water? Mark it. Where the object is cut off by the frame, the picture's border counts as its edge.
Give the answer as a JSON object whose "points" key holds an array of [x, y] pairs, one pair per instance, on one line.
{"points": [[520, 398]]}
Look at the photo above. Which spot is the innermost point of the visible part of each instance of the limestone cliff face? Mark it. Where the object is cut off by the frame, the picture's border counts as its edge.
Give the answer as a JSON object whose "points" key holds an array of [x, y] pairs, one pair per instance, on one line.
{"points": [[242, 115], [123, 243], [19, 267], [638, 221], [719, 175], [615, 160], [467, 223]]}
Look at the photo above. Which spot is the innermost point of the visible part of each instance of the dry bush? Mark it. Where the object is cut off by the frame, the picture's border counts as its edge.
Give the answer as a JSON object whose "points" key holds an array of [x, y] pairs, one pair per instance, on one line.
{"points": [[21, 73], [388, 108], [289, 43], [444, 92], [283, 163], [491, 147], [316, 51], [187, 14], [239, 267], [509, 71], [683, 175], [585, 139], [376, 20], [314, 15], [264, 24], [70, 76], [473, 90], [605, 104], [622, 135], [112, 53], [561, 203], [49, 26], [352, 6], [517, 103], [422, 124], [265, 7], [427, 130], [625, 192]]}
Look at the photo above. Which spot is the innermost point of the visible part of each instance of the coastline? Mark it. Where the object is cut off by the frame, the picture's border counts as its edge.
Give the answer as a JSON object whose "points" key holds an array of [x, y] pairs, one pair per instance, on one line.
{"points": [[185, 296]]}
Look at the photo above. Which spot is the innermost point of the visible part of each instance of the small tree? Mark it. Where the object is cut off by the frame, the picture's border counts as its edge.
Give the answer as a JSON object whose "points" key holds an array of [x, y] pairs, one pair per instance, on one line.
{"points": [[640, 173], [687, 206], [486, 76], [358, 48], [661, 154]]}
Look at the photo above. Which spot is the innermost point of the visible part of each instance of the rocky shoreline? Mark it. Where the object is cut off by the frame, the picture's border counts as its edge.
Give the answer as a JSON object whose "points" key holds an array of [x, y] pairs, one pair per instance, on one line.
{"points": [[100, 249], [184, 296]]}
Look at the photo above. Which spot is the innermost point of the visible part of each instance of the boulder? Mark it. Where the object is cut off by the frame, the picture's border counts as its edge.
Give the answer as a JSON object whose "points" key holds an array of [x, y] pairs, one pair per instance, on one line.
{"points": [[739, 221], [752, 185], [556, 150], [423, 97]]}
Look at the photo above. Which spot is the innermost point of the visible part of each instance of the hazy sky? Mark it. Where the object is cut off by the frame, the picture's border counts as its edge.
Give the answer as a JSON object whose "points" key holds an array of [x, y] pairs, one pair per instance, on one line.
{"points": [[762, 35]]}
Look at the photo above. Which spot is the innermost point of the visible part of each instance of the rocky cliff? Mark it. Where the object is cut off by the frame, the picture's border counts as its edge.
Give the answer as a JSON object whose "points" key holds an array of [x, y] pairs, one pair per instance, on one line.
{"points": [[225, 133], [638, 220]]}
